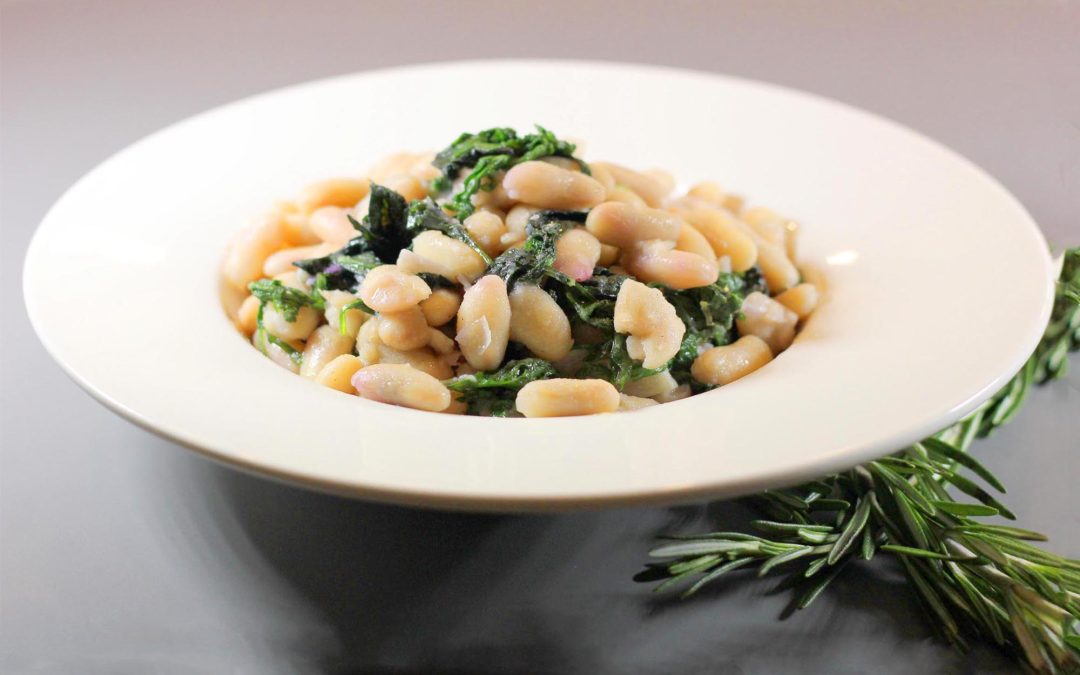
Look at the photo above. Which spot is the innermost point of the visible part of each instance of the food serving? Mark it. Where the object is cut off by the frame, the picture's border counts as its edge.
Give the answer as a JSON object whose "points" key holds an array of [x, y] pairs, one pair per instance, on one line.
{"points": [[505, 276]]}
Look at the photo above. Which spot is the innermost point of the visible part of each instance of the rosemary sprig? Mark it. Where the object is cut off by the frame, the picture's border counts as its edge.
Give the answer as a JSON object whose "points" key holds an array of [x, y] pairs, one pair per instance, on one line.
{"points": [[976, 580]]}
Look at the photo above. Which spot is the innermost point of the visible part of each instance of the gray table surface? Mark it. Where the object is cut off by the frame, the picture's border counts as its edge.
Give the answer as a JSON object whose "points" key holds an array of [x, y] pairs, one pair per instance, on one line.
{"points": [[122, 553]]}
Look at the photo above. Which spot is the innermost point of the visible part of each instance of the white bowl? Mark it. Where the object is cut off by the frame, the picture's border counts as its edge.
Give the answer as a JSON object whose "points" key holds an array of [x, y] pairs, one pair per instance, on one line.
{"points": [[939, 285]]}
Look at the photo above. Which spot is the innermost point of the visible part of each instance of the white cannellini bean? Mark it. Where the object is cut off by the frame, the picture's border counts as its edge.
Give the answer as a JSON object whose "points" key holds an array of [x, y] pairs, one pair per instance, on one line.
{"points": [[708, 191], [423, 359], [801, 299], [779, 272], [486, 229], [306, 321], [576, 254], [338, 373], [629, 403], [483, 323], [649, 188], [538, 322], [344, 192], [659, 261], [331, 224], [456, 257], [323, 346], [766, 318], [722, 231], [250, 248], [282, 261], [248, 314], [276, 353], [724, 365], [692, 241], [387, 289], [548, 186], [565, 398], [440, 306], [407, 186], [354, 318], [440, 343], [608, 255], [403, 385], [626, 196], [655, 330], [404, 330], [623, 225], [653, 385]]}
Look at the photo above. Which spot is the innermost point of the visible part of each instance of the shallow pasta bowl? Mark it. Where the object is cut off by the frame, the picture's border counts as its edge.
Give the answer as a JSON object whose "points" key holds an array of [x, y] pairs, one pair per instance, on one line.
{"points": [[938, 285]]}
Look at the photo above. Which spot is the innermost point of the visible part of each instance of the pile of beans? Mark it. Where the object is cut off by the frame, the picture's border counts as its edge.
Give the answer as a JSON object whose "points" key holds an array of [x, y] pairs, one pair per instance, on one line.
{"points": [[419, 336]]}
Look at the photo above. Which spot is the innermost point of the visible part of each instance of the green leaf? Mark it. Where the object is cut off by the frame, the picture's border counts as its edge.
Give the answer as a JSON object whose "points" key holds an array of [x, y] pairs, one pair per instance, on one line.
{"points": [[961, 509], [940, 447], [851, 530]]}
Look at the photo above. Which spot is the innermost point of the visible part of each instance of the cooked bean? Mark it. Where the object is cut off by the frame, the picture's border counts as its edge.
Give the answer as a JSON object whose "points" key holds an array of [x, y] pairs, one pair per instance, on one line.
{"points": [[404, 330], [454, 256], [354, 318], [402, 385], [244, 259], [440, 342], [708, 191], [563, 163], [625, 195], [724, 365], [630, 403], [576, 254], [276, 353], [659, 261], [677, 394], [441, 306], [294, 278], [407, 186], [344, 192], [647, 187], [338, 373], [423, 359], [388, 289], [368, 342], [623, 225], [603, 176], [653, 385], [692, 241], [801, 299], [396, 163], [410, 262], [487, 230], [538, 322], [306, 321], [566, 398], [323, 346], [516, 220], [723, 233], [456, 407], [791, 229], [548, 186], [779, 272], [295, 225], [608, 255], [247, 315], [766, 318], [331, 224], [483, 323], [654, 328], [282, 261], [664, 178]]}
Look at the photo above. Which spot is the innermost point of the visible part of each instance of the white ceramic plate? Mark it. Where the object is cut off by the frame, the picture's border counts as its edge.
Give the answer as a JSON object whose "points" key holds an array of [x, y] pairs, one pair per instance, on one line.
{"points": [[939, 287]]}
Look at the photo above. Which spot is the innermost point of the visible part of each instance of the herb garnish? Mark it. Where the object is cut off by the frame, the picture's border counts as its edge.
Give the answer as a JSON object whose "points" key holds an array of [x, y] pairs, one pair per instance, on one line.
{"points": [[976, 580]]}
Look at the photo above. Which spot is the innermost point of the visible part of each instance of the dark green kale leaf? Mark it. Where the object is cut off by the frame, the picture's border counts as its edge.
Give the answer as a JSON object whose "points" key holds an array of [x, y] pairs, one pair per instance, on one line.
{"points": [[489, 152], [385, 227], [427, 215], [493, 392], [285, 299], [610, 361]]}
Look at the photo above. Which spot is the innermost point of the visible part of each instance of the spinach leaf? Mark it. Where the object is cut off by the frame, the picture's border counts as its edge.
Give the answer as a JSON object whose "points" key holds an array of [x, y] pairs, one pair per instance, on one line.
{"points": [[427, 215], [285, 299], [610, 361], [493, 392], [711, 310], [489, 152], [343, 270]]}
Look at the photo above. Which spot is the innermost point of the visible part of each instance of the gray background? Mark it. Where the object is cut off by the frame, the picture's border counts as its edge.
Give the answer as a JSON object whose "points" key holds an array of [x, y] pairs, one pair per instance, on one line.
{"points": [[122, 553]]}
